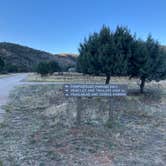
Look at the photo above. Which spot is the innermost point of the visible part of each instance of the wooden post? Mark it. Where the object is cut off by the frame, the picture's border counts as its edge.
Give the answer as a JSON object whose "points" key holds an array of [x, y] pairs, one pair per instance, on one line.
{"points": [[111, 114], [79, 109], [93, 90]]}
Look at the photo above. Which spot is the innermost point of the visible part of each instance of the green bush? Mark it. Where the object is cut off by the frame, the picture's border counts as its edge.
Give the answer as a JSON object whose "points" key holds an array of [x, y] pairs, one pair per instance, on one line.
{"points": [[53, 67], [2, 64], [42, 68], [11, 68], [45, 68]]}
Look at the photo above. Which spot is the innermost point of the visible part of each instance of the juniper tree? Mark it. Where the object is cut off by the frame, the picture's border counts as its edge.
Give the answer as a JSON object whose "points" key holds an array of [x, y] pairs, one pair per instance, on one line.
{"points": [[2, 64], [42, 68], [105, 53], [86, 50], [53, 67], [162, 69], [147, 62], [45, 68], [124, 41]]}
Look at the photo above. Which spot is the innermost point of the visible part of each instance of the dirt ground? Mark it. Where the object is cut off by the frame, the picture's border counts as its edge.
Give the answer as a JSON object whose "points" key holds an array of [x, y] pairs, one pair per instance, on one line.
{"points": [[39, 129], [7, 83]]}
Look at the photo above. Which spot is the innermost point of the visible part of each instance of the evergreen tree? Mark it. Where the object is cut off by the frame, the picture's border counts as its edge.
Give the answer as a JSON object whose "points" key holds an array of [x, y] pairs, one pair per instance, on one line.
{"points": [[123, 44], [147, 62], [53, 67], [42, 68], [88, 48], [45, 68], [161, 71], [2, 64], [11, 68], [105, 53]]}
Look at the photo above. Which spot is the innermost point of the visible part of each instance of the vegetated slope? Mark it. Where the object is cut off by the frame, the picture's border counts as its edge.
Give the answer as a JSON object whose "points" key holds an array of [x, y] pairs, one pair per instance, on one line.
{"points": [[25, 59]]}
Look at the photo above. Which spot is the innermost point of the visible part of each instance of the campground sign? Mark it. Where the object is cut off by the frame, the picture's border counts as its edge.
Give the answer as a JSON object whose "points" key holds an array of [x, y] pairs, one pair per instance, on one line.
{"points": [[95, 90]]}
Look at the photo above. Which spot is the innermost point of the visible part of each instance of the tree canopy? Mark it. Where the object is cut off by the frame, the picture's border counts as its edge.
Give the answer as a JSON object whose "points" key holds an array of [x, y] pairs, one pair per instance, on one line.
{"points": [[2, 64], [100, 51], [147, 62], [45, 68], [120, 53]]}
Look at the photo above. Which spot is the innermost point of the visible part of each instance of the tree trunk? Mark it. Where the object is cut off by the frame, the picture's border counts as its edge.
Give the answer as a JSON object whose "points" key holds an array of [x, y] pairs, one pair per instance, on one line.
{"points": [[107, 79], [142, 85]]}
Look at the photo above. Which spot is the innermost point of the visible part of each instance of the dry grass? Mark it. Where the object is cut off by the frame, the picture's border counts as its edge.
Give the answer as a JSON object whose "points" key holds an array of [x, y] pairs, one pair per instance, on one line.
{"points": [[5, 75], [39, 128]]}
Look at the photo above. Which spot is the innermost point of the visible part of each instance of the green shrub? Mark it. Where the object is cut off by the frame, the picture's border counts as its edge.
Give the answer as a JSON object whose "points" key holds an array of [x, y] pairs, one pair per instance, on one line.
{"points": [[45, 68], [2, 64], [11, 68]]}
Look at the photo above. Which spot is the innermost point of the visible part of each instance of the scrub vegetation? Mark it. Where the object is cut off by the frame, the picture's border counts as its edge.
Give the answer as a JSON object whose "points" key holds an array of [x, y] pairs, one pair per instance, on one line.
{"points": [[39, 128]]}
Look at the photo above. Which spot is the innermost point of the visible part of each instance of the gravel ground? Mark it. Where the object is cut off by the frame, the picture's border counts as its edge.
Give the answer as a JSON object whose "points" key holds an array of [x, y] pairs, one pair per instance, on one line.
{"points": [[7, 83], [34, 134]]}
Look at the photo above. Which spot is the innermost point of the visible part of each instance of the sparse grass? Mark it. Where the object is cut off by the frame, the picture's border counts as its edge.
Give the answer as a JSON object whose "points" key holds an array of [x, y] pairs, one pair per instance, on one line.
{"points": [[40, 128], [54, 156], [109, 124], [5, 75], [69, 78], [113, 125], [2, 125]]}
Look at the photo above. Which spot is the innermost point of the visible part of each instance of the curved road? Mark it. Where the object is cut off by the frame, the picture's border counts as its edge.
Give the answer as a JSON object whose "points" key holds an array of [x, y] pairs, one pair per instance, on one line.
{"points": [[6, 85]]}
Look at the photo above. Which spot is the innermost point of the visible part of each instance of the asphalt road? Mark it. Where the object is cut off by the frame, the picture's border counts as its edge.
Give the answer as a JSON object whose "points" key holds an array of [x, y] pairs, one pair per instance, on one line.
{"points": [[6, 85]]}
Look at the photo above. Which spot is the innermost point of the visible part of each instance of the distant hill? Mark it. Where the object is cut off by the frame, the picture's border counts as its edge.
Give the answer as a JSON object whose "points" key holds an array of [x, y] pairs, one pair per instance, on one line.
{"points": [[26, 59]]}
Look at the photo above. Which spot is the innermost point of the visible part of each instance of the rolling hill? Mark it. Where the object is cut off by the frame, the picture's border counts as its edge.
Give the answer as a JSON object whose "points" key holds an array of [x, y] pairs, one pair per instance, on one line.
{"points": [[25, 59]]}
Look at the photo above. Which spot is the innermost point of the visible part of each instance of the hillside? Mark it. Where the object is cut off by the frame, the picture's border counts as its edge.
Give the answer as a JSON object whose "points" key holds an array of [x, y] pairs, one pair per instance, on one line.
{"points": [[25, 59]]}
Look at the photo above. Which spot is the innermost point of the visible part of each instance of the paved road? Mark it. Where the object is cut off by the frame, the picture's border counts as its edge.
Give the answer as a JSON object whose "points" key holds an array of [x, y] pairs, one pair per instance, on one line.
{"points": [[6, 85]]}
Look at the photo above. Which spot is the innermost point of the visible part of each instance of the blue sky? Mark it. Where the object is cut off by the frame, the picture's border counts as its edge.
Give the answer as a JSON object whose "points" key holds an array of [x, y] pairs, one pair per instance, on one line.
{"points": [[58, 26]]}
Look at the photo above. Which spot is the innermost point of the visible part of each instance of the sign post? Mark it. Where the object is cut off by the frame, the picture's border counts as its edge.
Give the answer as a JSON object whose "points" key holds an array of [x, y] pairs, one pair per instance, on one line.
{"points": [[79, 108], [111, 115], [94, 90]]}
